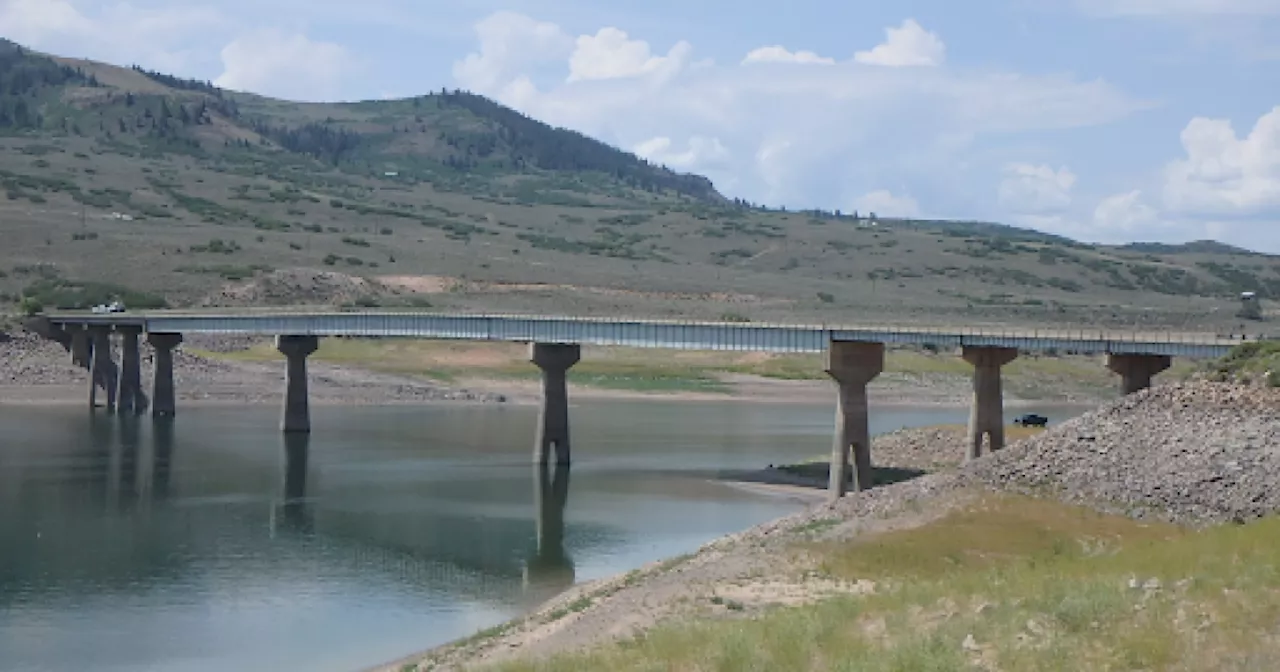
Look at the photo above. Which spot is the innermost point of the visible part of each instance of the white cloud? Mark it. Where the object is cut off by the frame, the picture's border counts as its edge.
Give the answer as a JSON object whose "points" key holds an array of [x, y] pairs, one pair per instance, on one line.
{"points": [[1028, 188], [780, 54], [1124, 213], [885, 204], [611, 54], [511, 45], [285, 65], [1223, 174], [700, 152], [118, 32], [812, 131], [1180, 7], [35, 21], [907, 45]]}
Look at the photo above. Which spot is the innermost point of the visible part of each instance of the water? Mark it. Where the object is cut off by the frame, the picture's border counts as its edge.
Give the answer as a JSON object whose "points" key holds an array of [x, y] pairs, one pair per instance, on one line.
{"points": [[202, 546]]}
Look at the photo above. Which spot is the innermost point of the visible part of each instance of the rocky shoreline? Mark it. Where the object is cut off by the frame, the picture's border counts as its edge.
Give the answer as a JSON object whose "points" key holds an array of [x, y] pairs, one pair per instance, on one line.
{"points": [[35, 370], [1194, 454]]}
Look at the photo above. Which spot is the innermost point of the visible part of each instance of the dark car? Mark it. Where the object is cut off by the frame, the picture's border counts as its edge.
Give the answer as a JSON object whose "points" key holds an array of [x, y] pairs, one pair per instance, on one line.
{"points": [[1031, 420]]}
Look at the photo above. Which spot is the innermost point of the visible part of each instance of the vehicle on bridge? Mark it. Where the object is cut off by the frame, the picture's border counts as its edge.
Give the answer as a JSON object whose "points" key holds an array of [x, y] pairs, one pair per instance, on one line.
{"points": [[113, 307], [1031, 420]]}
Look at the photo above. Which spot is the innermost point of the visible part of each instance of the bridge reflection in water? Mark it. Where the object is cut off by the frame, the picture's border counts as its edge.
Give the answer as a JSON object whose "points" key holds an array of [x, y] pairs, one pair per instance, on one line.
{"points": [[163, 521]]}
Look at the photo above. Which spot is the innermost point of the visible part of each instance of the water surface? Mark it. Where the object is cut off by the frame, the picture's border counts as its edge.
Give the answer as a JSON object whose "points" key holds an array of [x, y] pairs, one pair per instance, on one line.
{"points": [[202, 546]]}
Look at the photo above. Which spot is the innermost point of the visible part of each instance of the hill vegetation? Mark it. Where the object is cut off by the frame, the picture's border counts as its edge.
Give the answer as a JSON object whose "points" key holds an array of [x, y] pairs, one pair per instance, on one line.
{"points": [[123, 180]]}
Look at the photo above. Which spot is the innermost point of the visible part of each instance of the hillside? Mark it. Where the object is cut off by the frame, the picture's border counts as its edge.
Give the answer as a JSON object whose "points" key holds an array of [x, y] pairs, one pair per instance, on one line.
{"points": [[167, 191]]}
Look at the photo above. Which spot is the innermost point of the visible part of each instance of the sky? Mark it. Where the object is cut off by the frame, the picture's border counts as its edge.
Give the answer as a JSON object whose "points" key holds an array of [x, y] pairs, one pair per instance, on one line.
{"points": [[1104, 120]]}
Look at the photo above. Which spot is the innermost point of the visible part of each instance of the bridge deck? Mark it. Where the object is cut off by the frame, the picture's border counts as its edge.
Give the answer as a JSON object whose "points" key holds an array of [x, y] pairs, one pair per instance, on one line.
{"points": [[780, 338]]}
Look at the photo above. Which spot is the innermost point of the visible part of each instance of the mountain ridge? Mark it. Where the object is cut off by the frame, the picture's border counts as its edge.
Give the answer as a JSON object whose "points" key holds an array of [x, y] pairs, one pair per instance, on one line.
{"points": [[118, 180]]}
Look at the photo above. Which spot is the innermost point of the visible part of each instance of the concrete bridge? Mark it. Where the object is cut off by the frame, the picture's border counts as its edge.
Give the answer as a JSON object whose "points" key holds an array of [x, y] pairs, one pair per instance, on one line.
{"points": [[854, 357]]}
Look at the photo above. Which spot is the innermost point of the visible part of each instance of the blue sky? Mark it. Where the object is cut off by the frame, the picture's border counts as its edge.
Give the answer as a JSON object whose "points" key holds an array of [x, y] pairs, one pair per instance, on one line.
{"points": [[1105, 120]]}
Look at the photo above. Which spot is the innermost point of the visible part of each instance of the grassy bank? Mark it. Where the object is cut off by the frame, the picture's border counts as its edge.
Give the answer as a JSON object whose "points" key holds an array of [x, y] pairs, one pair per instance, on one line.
{"points": [[1029, 377], [1004, 583]]}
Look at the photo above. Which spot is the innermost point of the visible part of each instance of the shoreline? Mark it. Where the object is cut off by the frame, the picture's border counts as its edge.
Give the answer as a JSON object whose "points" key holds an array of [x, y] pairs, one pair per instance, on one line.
{"points": [[936, 451], [37, 371]]}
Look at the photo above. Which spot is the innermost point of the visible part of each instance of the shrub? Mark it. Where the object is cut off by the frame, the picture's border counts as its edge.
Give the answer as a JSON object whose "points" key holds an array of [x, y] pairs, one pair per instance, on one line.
{"points": [[30, 306]]}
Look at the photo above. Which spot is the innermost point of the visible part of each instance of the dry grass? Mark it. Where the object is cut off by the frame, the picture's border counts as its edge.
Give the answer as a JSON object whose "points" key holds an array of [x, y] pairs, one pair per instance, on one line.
{"points": [[1009, 583], [644, 369]]}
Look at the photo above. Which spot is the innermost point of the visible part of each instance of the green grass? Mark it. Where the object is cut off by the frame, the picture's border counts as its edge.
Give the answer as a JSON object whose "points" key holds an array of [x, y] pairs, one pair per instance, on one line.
{"points": [[1038, 586], [1248, 361]]}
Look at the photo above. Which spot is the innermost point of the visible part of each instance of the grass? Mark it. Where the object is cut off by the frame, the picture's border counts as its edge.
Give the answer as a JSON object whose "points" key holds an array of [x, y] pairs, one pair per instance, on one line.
{"points": [[644, 370], [1034, 585], [1248, 361]]}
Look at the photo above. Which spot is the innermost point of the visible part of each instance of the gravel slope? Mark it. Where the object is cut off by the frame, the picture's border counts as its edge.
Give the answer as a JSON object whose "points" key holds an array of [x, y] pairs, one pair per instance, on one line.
{"points": [[1192, 453]]}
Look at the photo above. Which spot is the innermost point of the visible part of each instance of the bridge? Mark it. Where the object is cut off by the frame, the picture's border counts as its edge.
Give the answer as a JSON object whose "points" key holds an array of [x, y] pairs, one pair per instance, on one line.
{"points": [[854, 357]]}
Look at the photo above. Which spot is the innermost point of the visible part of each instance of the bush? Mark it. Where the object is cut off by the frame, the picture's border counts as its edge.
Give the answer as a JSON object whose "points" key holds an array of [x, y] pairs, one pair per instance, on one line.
{"points": [[30, 306], [76, 295]]}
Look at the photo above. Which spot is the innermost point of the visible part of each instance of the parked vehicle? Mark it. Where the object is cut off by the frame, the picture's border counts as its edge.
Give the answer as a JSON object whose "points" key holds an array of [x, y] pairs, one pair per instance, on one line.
{"points": [[1031, 420]]}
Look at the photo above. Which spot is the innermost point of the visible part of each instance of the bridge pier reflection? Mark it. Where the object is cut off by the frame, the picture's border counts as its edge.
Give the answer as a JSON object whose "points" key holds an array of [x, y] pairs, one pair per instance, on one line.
{"points": [[161, 457], [295, 512], [549, 570]]}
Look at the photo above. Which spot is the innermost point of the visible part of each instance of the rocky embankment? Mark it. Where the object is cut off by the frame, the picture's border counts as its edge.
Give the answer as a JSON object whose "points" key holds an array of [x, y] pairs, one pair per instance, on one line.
{"points": [[33, 369], [1192, 453]]}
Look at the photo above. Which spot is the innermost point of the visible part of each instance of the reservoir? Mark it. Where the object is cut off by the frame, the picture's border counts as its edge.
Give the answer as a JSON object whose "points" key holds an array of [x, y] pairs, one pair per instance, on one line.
{"points": [[199, 545]]}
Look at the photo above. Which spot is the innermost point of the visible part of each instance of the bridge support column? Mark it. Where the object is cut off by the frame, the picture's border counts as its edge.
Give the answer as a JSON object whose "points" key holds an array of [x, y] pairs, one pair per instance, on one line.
{"points": [[129, 391], [164, 402], [986, 418], [852, 365], [102, 370], [80, 347], [555, 360], [297, 413], [1136, 371]]}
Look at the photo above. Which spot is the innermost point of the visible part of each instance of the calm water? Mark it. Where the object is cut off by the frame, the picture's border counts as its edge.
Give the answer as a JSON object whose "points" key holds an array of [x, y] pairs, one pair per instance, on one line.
{"points": [[124, 546]]}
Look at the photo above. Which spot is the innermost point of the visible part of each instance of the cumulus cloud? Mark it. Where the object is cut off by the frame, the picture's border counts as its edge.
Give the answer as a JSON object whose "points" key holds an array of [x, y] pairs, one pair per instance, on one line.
{"points": [[780, 54], [907, 45], [1223, 174], [886, 204], [116, 31], [611, 54], [812, 136], [699, 151], [511, 46], [285, 65], [1028, 188], [1124, 213]]}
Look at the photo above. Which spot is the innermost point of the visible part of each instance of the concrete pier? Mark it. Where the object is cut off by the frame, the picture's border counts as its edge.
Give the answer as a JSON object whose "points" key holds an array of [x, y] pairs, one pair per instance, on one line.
{"points": [[129, 390], [986, 418], [102, 370], [555, 360], [80, 347], [164, 402], [852, 365], [296, 416], [1136, 371]]}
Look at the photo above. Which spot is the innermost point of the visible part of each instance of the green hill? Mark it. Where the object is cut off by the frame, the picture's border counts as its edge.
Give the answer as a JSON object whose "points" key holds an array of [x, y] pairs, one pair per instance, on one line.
{"points": [[120, 181]]}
